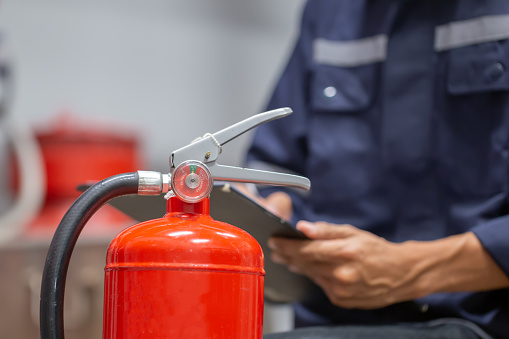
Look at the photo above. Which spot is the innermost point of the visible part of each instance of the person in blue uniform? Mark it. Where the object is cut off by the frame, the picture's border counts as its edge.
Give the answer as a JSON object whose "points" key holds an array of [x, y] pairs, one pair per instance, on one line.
{"points": [[401, 122]]}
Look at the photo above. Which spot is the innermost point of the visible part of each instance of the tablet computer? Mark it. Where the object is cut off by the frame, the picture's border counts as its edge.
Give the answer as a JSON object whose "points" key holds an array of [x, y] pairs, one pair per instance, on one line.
{"points": [[230, 205]]}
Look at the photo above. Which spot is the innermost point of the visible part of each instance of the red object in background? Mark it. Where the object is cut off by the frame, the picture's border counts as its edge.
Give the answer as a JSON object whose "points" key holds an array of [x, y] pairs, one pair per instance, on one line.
{"points": [[184, 276], [75, 152]]}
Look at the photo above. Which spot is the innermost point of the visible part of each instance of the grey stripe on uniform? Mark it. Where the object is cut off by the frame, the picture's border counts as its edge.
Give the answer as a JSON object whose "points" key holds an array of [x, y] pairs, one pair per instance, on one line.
{"points": [[472, 31], [350, 53]]}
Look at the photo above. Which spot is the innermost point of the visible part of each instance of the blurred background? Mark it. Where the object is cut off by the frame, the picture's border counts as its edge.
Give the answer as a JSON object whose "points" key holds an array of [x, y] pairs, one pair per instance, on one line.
{"points": [[96, 88]]}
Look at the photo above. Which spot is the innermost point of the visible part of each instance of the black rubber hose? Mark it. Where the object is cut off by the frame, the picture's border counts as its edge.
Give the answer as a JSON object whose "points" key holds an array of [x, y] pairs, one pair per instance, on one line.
{"points": [[62, 245]]}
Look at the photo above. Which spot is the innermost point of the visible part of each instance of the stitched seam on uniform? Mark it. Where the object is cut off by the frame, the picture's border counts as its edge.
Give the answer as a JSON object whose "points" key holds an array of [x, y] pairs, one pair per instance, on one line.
{"points": [[350, 53], [472, 31]]}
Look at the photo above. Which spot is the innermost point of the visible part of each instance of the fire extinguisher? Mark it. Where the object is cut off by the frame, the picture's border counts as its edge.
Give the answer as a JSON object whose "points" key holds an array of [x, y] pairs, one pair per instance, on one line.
{"points": [[181, 276]]}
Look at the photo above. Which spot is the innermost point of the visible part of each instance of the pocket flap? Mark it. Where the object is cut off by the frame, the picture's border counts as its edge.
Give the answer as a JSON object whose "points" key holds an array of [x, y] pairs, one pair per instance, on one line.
{"points": [[480, 68], [342, 89]]}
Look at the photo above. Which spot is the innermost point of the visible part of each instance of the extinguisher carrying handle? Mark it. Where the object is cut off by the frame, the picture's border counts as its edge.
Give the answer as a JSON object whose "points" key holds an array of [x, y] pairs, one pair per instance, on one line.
{"points": [[208, 148], [62, 245], [248, 175]]}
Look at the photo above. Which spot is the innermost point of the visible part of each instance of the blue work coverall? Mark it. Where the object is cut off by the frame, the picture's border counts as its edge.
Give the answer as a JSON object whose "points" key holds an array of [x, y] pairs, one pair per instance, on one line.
{"points": [[401, 121]]}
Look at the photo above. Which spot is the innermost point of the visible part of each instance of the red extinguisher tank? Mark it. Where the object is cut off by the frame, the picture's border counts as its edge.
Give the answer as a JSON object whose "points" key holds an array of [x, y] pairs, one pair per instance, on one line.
{"points": [[185, 275]]}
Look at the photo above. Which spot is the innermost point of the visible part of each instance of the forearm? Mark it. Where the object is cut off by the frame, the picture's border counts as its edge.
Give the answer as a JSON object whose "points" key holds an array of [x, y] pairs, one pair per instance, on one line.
{"points": [[357, 269], [453, 264]]}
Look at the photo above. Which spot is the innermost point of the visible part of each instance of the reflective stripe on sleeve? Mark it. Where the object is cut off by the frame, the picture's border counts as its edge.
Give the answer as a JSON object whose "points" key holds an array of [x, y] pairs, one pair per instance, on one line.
{"points": [[350, 53], [471, 32]]}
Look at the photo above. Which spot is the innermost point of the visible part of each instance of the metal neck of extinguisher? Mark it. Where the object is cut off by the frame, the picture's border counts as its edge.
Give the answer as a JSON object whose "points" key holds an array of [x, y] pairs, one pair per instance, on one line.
{"points": [[176, 206], [193, 169]]}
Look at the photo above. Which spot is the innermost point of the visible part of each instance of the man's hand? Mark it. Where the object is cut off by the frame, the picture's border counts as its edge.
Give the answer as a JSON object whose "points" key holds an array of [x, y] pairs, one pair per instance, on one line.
{"points": [[278, 203], [357, 269]]}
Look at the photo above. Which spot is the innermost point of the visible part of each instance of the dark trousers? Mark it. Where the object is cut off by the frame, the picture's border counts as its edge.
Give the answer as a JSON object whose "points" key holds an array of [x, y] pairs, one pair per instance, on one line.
{"points": [[431, 330]]}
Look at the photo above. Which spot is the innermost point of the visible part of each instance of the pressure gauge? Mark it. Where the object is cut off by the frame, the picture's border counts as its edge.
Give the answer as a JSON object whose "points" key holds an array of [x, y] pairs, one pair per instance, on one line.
{"points": [[191, 181]]}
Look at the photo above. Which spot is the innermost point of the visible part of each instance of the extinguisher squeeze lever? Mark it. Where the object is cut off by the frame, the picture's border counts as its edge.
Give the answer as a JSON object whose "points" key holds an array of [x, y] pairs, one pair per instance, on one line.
{"points": [[206, 150], [194, 167]]}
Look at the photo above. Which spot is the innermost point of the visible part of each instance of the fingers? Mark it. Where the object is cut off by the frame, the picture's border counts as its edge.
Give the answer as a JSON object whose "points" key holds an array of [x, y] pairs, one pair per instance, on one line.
{"points": [[357, 301], [355, 268], [306, 250], [324, 230], [332, 242], [345, 288]]}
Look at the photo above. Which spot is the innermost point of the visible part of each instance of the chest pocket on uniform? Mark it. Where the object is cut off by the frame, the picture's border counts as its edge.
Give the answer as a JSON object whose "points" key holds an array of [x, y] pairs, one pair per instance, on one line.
{"points": [[337, 89], [341, 142], [343, 78], [473, 135], [479, 68]]}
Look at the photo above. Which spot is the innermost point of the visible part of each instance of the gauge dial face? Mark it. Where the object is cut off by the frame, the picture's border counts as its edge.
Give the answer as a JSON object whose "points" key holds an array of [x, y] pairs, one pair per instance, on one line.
{"points": [[191, 181]]}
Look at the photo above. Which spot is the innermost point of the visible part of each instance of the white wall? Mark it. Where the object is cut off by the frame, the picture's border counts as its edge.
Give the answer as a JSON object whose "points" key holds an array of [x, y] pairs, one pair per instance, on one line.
{"points": [[175, 69]]}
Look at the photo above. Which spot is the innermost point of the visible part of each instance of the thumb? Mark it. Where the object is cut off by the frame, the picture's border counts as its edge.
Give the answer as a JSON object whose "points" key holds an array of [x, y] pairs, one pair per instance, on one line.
{"points": [[325, 230], [280, 204]]}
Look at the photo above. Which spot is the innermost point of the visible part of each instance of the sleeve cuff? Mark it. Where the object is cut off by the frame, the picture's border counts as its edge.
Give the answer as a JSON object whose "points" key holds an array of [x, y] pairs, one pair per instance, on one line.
{"points": [[494, 236]]}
